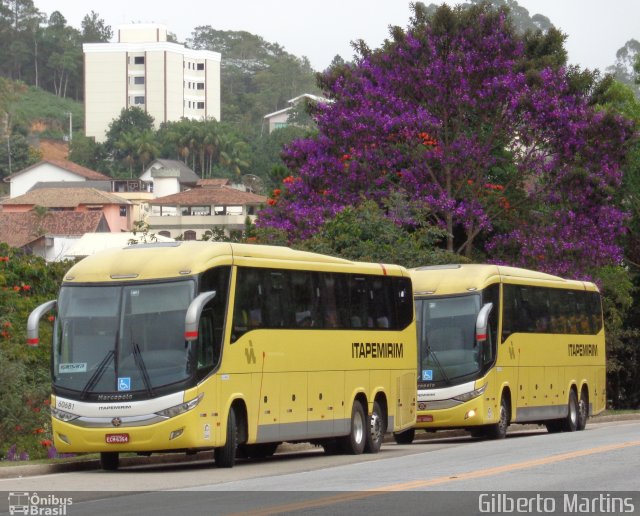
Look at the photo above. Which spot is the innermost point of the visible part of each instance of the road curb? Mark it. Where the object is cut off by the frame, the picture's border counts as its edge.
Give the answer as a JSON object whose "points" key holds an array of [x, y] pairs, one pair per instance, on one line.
{"points": [[20, 470]]}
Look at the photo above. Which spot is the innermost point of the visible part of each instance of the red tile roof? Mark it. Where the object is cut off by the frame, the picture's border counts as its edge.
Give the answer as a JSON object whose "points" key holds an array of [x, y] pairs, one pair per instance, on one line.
{"points": [[70, 167], [20, 229], [65, 198], [222, 196]]}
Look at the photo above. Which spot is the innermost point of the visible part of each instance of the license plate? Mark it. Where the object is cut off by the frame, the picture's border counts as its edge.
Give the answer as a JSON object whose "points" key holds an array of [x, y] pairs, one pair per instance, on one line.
{"points": [[117, 438]]}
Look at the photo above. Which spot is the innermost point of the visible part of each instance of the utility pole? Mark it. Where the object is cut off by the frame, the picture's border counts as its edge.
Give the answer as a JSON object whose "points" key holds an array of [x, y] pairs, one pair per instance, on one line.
{"points": [[70, 126]]}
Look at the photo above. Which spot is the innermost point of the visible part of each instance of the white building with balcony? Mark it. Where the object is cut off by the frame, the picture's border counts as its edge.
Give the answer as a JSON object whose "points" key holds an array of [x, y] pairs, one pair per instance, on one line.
{"points": [[143, 69], [190, 214]]}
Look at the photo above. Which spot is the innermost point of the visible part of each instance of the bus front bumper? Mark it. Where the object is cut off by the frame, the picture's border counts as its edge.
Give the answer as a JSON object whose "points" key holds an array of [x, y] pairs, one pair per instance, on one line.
{"points": [[475, 412], [178, 433]]}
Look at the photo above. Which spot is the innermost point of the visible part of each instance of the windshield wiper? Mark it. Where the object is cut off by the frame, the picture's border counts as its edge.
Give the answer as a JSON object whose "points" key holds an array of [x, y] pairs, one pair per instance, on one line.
{"points": [[137, 356], [432, 353], [97, 374]]}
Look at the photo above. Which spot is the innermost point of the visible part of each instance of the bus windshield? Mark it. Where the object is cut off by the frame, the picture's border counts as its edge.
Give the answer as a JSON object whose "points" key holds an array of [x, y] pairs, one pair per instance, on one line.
{"points": [[446, 336], [116, 339]]}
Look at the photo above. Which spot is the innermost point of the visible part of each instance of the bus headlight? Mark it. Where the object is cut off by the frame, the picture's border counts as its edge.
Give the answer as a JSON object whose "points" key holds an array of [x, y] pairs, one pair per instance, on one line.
{"points": [[467, 396], [62, 415], [180, 409]]}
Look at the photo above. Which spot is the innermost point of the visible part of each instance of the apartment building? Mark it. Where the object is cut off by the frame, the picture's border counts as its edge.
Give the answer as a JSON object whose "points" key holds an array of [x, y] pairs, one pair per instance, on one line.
{"points": [[143, 69]]}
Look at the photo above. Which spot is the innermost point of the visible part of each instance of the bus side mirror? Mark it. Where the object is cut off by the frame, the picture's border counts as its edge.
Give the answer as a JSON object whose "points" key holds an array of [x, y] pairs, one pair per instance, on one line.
{"points": [[33, 337], [482, 323], [192, 319]]}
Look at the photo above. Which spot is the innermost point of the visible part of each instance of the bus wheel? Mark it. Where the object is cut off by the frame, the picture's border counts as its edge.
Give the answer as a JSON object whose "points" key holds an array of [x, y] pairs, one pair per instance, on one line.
{"points": [[499, 430], [225, 456], [353, 443], [405, 437], [109, 461], [570, 423], [377, 429], [583, 410]]}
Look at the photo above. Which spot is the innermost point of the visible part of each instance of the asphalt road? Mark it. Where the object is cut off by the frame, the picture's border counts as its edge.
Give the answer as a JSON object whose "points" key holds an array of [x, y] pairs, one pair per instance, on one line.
{"points": [[590, 472]]}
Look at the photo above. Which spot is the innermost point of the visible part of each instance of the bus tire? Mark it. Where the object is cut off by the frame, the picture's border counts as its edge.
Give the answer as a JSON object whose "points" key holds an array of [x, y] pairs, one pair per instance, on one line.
{"points": [[353, 444], [109, 461], [405, 437], [499, 430], [570, 423], [377, 429], [583, 410], [225, 456]]}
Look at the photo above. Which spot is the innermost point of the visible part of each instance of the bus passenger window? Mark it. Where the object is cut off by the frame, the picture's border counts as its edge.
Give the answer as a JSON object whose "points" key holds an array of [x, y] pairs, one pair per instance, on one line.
{"points": [[328, 306], [305, 299], [359, 295], [248, 313]]}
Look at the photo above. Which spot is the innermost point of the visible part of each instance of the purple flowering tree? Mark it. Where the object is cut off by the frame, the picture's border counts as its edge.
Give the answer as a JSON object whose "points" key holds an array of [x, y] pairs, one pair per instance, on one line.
{"points": [[512, 164]]}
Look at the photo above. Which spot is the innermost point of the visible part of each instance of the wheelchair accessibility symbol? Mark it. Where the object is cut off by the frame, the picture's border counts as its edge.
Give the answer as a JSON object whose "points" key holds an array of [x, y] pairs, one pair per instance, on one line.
{"points": [[124, 384], [427, 375]]}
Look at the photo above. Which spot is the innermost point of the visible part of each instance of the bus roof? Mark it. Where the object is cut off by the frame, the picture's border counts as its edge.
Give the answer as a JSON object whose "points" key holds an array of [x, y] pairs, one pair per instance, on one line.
{"points": [[463, 278], [180, 259]]}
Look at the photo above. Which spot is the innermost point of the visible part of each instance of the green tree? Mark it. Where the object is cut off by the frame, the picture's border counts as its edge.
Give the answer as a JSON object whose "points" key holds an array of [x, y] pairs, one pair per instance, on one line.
{"points": [[234, 156], [16, 154], [366, 233], [20, 21], [127, 149], [132, 121], [25, 282], [146, 147], [63, 54], [266, 161], [259, 76], [624, 69], [88, 153], [94, 29]]}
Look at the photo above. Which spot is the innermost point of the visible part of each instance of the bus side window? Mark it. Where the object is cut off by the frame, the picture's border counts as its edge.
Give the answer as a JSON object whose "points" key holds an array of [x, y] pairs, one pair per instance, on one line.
{"points": [[277, 299], [328, 307], [509, 309], [305, 299], [382, 302], [359, 295], [403, 301], [247, 313]]}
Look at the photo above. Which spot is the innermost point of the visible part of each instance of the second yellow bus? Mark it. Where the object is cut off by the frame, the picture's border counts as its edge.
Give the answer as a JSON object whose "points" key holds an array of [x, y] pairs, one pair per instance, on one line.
{"points": [[501, 345]]}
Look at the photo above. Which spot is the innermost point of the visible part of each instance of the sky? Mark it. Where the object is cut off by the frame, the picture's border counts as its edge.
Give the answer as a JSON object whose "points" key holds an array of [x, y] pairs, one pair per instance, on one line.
{"points": [[596, 29]]}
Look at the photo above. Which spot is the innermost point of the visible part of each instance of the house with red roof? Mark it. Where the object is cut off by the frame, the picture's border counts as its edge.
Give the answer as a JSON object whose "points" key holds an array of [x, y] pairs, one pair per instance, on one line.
{"points": [[115, 209], [191, 213], [52, 170], [49, 234]]}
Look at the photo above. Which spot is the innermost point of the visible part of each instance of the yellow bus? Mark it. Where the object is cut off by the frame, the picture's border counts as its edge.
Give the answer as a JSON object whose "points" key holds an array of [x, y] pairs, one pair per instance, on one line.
{"points": [[501, 345], [189, 346]]}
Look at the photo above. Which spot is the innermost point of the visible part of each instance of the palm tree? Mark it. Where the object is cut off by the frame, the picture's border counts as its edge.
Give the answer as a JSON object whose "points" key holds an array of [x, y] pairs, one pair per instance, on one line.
{"points": [[127, 144], [233, 155], [146, 147], [211, 146]]}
